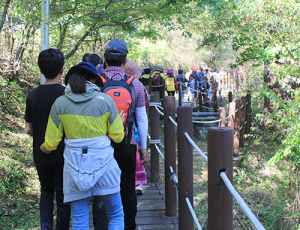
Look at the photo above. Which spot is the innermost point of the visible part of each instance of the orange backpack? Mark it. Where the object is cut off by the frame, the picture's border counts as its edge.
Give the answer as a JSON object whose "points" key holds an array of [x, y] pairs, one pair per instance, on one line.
{"points": [[120, 91]]}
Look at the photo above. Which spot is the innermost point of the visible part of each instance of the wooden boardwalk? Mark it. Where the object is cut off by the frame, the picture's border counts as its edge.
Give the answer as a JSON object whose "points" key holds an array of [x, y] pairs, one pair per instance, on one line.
{"points": [[151, 209]]}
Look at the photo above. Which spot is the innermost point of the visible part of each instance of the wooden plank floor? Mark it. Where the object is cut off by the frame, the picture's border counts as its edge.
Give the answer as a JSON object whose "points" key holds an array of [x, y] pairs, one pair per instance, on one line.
{"points": [[150, 208]]}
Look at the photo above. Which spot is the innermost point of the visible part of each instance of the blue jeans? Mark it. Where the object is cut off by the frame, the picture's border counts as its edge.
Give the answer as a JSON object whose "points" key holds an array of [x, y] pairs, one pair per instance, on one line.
{"points": [[182, 97], [114, 209]]}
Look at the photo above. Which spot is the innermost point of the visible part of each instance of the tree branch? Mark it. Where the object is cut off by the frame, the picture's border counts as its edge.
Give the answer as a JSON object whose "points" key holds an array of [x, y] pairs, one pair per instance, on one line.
{"points": [[75, 48], [6, 5]]}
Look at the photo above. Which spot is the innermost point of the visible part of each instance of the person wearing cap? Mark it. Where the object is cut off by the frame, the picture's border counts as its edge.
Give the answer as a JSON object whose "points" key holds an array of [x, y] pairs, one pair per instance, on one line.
{"points": [[95, 59], [146, 79], [90, 120], [115, 57], [171, 83], [49, 167]]}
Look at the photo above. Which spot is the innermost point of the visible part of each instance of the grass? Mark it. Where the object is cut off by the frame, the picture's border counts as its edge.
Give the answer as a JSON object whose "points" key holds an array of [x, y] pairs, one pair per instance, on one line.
{"points": [[19, 187]]}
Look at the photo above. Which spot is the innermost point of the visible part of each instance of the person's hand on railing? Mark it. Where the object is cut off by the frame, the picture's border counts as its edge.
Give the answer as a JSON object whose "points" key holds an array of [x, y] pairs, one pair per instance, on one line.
{"points": [[144, 154]]}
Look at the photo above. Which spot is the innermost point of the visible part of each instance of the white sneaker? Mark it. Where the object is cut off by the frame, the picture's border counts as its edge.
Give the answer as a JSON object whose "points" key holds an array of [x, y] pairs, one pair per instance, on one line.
{"points": [[139, 190]]}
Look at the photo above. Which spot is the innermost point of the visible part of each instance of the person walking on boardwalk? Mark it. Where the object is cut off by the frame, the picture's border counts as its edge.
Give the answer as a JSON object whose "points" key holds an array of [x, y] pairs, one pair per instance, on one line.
{"points": [[146, 79], [159, 81], [49, 167], [171, 83], [115, 57], [89, 119], [132, 68], [201, 74], [100, 219], [181, 79], [95, 59], [194, 81]]}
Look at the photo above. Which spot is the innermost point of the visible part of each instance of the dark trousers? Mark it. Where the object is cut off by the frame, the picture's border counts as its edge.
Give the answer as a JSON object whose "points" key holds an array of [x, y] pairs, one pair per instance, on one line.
{"points": [[171, 93], [51, 180], [126, 159]]}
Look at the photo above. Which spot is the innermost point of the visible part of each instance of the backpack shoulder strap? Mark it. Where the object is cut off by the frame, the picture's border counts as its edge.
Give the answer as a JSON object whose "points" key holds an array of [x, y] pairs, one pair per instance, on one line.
{"points": [[103, 77], [128, 79]]}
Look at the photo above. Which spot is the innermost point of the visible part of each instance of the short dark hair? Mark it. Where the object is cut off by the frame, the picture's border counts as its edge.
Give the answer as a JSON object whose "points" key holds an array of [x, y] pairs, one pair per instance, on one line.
{"points": [[78, 81], [50, 62], [180, 71], [93, 58], [114, 60], [147, 71]]}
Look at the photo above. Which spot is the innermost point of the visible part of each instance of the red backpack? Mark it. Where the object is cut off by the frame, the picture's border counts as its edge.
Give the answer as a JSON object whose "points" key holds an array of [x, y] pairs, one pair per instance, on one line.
{"points": [[120, 91], [157, 79]]}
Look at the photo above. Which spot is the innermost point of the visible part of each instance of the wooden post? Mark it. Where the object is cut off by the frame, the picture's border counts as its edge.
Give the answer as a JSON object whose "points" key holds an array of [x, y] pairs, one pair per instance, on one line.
{"points": [[170, 155], [215, 101], [162, 89], [147, 88], [229, 96], [149, 82], [200, 101], [232, 108], [185, 167], [237, 121], [180, 94], [154, 121], [242, 123], [248, 116], [229, 81], [220, 201], [222, 115]]}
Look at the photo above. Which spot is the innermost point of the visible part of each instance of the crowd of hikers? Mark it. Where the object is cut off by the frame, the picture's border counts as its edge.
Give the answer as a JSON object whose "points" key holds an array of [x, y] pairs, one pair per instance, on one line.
{"points": [[90, 137], [191, 83]]}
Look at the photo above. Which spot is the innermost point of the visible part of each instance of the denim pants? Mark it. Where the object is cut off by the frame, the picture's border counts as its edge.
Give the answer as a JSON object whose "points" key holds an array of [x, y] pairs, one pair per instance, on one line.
{"points": [[114, 209], [51, 180], [126, 159], [182, 97]]}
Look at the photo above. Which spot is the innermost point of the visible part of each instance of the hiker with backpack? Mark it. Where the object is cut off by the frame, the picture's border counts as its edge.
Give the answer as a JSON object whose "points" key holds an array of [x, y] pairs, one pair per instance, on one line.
{"points": [[194, 79], [171, 83], [181, 79], [90, 120], [116, 84], [159, 81], [146, 79]]}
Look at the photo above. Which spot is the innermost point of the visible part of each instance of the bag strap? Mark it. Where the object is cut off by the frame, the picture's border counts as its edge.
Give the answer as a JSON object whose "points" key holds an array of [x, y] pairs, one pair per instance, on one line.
{"points": [[128, 79], [103, 77]]}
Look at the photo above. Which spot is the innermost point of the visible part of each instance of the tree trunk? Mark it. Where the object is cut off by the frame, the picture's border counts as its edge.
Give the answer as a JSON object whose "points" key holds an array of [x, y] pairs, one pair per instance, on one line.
{"points": [[6, 5]]}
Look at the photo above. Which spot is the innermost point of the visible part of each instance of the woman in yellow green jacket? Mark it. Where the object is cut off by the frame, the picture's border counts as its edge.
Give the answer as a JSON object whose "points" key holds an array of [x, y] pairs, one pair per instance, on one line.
{"points": [[89, 119]]}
